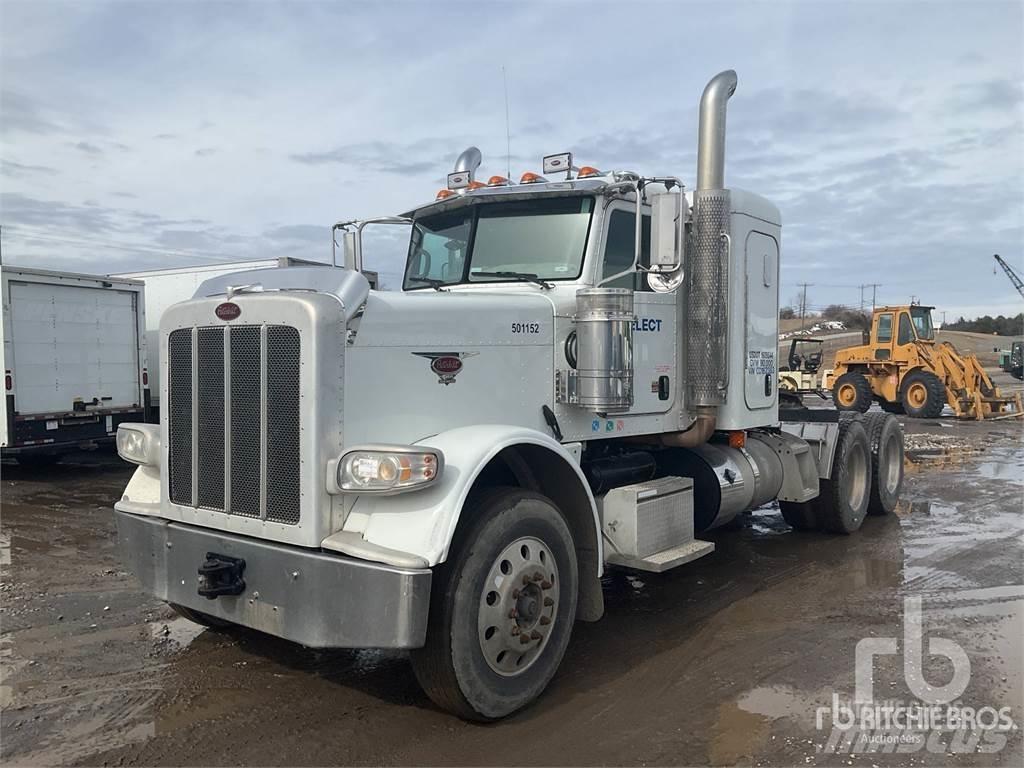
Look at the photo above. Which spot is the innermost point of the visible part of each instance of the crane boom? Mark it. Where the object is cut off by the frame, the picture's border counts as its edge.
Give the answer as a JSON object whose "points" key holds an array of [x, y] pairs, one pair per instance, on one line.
{"points": [[1017, 283]]}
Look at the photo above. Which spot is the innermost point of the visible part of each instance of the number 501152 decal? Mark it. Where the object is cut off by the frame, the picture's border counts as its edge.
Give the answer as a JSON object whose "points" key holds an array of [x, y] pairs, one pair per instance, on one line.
{"points": [[525, 327]]}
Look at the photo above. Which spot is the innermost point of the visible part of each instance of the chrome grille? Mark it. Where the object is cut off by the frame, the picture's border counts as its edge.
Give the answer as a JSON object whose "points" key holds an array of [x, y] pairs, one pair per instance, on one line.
{"points": [[282, 424], [234, 446], [179, 386], [246, 421], [210, 404]]}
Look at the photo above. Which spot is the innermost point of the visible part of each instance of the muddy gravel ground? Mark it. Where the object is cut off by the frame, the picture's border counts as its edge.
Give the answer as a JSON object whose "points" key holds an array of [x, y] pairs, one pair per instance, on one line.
{"points": [[724, 661]]}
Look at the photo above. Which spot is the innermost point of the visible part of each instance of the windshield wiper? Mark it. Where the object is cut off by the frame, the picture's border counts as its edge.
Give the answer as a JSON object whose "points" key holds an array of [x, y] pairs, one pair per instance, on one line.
{"points": [[432, 282], [523, 277]]}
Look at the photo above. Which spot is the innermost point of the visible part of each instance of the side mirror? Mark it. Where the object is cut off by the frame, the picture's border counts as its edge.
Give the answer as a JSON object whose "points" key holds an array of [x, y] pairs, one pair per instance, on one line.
{"points": [[352, 249], [668, 233]]}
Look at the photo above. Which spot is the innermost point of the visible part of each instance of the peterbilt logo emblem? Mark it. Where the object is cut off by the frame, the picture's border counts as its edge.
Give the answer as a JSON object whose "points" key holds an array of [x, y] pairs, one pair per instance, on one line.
{"points": [[446, 364], [227, 311]]}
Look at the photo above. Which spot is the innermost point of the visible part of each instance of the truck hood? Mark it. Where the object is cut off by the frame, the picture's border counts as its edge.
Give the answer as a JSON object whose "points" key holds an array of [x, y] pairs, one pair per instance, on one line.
{"points": [[454, 320]]}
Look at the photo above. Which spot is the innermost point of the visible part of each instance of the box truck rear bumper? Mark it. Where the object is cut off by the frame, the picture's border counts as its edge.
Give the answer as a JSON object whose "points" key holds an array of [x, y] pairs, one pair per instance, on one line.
{"points": [[308, 596]]}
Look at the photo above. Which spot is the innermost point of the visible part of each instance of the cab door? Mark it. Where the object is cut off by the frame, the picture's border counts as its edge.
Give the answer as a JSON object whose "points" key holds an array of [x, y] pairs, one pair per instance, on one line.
{"points": [[881, 336], [654, 330]]}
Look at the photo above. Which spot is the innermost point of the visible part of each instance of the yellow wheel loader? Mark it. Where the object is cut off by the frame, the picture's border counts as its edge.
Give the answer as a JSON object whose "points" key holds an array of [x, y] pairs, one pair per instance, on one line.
{"points": [[906, 370]]}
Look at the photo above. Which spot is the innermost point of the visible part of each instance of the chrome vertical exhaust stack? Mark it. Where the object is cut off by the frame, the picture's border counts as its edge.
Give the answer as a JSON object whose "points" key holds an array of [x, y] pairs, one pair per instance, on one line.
{"points": [[468, 161], [711, 130], [707, 309]]}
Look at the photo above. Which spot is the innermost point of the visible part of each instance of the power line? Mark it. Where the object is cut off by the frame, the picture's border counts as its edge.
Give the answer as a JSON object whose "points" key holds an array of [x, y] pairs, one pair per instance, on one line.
{"points": [[803, 302]]}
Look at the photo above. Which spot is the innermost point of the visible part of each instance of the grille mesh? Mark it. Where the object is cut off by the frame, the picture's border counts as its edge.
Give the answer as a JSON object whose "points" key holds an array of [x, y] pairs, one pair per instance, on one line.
{"points": [[245, 421], [282, 424], [237, 386], [210, 400], [179, 385]]}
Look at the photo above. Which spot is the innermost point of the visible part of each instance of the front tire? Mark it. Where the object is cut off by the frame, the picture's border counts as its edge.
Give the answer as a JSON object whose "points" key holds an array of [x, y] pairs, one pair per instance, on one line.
{"points": [[923, 395], [852, 392], [502, 607]]}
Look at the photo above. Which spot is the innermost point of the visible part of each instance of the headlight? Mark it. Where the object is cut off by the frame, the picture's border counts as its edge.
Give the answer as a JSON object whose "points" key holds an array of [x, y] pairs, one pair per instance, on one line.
{"points": [[139, 443], [389, 469]]}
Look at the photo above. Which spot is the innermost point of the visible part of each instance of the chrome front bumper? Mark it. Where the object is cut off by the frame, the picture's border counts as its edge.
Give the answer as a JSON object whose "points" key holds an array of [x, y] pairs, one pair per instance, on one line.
{"points": [[308, 596]]}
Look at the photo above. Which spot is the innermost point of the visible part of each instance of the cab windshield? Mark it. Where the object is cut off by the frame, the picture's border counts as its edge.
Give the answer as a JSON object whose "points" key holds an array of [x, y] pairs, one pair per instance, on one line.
{"points": [[542, 239], [922, 317]]}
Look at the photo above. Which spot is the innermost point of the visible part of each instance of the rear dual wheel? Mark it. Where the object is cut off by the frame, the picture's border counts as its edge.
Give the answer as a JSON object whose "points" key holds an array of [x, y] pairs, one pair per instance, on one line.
{"points": [[502, 607], [886, 440]]}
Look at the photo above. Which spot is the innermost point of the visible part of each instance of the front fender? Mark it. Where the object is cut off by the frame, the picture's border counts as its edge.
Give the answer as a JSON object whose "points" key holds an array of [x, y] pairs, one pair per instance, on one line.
{"points": [[423, 522]]}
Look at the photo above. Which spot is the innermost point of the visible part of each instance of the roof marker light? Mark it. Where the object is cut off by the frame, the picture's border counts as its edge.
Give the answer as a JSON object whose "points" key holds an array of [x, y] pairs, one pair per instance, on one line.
{"points": [[587, 171], [475, 185], [444, 194], [532, 178], [497, 181]]}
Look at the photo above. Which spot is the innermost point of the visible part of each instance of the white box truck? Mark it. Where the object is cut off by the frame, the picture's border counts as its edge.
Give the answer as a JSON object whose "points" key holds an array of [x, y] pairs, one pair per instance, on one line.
{"points": [[578, 373], [165, 287], [74, 360]]}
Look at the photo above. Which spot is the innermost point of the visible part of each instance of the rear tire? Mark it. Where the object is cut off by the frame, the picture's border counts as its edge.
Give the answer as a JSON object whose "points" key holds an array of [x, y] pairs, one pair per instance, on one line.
{"points": [[852, 392], [843, 498], [886, 442], [922, 395], [800, 515], [512, 575], [200, 618]]}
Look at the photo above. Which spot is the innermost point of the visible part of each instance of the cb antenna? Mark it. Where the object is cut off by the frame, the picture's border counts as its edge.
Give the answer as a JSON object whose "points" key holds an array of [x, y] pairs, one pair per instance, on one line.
{"points": [[508, 130]]}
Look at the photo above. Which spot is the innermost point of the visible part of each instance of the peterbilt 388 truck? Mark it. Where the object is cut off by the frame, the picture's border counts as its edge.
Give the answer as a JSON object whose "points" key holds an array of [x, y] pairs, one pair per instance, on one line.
{"points": [[579, 373]]}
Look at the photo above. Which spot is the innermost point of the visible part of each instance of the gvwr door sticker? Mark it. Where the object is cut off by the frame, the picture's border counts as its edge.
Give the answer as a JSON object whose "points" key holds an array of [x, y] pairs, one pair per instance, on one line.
{"points": [[760, 362]]}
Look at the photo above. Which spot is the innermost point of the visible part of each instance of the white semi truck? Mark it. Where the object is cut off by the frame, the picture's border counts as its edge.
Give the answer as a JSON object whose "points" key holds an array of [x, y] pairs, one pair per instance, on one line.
{"points": [[578, 373]]}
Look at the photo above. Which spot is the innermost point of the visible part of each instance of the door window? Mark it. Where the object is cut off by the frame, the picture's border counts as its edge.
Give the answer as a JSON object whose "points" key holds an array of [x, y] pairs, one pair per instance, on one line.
{"points": [[883, 335], [619, 247], [906, 329]]}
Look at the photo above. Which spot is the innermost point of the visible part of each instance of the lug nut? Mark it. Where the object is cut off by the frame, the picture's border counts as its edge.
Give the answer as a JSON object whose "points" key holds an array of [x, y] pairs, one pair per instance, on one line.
{"points": [[535, 635], [524, 639], [526, 579], [544, 620], [515, 629], [513, 613], [548, 602], [515, 593], [545, 585], [538, 576]]}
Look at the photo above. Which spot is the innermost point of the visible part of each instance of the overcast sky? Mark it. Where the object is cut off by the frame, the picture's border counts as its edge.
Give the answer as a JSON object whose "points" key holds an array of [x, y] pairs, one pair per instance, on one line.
{"points": [[151, 134]]}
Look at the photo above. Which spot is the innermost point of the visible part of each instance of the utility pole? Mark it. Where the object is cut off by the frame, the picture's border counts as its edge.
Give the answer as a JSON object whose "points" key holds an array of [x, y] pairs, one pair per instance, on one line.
{"points": [[874, 288], [861, 305], [803, 302]]}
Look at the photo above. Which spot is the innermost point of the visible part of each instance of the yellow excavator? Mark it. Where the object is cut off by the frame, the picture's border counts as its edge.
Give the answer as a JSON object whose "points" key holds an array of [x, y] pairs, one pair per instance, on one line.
{"points": [[906, 370]]}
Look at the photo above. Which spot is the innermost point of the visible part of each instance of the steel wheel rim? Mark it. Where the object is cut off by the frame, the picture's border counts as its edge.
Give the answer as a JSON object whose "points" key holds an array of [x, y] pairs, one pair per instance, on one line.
{"points": [[891, 461], [856, 473], [917, 394], [518, 606], [847, 394]]}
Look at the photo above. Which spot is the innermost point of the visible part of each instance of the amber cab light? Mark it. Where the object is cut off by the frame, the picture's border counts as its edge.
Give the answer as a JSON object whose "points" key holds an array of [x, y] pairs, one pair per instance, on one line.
{"points": [[444, 194], [587, 171], [497, 181], [531, 178]]}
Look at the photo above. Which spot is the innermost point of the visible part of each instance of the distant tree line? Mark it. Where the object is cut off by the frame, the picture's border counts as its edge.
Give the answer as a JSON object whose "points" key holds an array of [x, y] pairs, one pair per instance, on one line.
{"points": [[853, 319], [1004, 326]]}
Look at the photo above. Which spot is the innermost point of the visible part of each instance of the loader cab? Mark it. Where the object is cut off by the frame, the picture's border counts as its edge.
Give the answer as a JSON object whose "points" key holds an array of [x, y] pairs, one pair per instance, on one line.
{"points": [[894, 328]]}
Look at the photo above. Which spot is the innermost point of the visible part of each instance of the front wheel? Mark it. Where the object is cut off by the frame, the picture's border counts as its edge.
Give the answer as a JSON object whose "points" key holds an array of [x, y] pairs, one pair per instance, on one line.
{"points": [[923, 395], [502, 607], [852, 392]]}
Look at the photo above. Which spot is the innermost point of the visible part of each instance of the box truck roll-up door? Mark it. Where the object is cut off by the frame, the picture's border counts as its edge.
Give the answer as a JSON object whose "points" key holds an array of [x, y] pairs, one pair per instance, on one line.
{"points": [[73, 343]]}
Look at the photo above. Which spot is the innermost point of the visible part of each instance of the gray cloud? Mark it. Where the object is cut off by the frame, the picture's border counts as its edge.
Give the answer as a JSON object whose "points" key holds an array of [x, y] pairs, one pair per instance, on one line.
{"points": [[205, 152], [20, 113], [89, 149], [1002, 95], [414, 158], [13, 169]]}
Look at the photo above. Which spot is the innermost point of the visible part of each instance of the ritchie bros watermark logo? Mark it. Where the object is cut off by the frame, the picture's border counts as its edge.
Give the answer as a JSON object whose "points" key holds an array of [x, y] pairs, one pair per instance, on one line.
{"points": [[932, 721]]}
